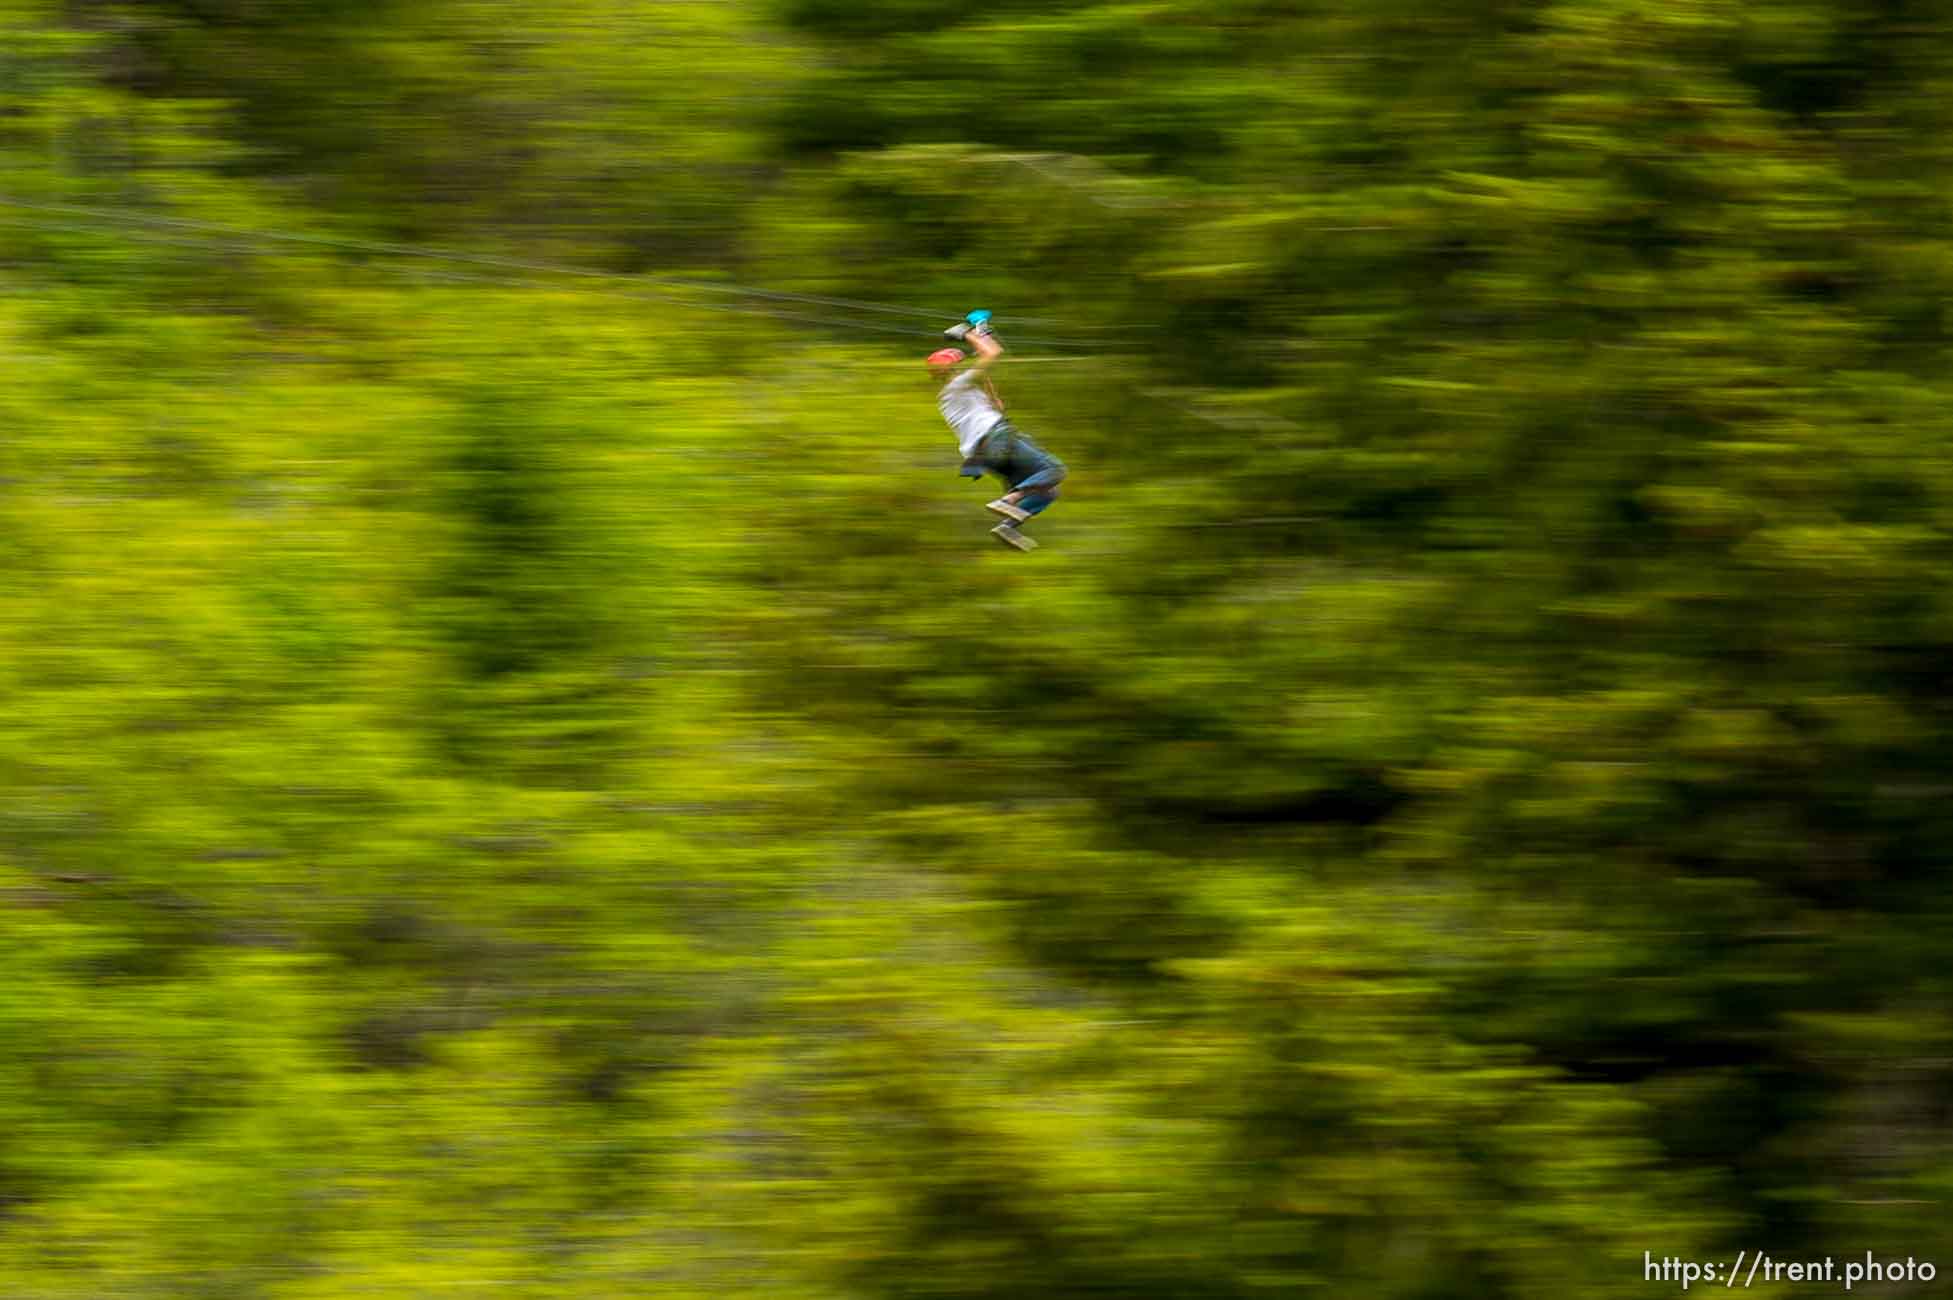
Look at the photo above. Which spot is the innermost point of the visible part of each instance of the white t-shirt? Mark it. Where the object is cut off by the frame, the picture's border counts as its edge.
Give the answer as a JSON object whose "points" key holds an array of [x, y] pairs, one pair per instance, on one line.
{"points": [[969, 410]]}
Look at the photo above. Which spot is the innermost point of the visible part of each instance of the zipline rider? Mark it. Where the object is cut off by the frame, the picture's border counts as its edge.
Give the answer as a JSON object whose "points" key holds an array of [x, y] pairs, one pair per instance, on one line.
{"points": [[975, 413]]}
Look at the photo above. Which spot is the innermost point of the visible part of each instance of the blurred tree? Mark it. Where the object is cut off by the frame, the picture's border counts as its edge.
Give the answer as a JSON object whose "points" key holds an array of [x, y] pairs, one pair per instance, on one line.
{"points": [[504, 785]]}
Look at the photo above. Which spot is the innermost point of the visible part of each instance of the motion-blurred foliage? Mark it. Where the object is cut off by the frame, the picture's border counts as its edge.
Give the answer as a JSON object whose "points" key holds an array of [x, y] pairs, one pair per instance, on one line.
{"points": [[526, 778]]}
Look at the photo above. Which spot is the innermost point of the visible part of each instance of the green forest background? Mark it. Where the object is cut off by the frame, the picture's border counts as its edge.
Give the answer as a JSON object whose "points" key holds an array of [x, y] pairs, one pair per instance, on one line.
{"points": [[530, 779]]}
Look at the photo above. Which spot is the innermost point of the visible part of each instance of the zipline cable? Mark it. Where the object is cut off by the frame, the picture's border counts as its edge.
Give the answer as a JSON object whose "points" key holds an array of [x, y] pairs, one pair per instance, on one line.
{"points": [[211, 246], [373, 247], [462, 277]]}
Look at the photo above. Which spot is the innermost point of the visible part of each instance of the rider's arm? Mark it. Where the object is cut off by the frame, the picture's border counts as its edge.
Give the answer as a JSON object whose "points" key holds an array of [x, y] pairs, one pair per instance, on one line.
{"points": [[987, 351], [987, 348]]}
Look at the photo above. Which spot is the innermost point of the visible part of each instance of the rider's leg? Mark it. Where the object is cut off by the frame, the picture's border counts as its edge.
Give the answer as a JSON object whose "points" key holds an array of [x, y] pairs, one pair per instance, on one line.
{"points": [[1037, 474]]}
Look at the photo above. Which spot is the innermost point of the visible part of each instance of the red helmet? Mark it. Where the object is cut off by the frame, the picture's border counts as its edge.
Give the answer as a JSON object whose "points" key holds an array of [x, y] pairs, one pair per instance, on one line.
{"points": [[946, 356]]}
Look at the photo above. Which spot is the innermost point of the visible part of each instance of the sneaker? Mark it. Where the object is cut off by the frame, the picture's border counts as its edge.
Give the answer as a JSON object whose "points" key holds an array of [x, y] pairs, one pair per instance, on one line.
{"points": [[1007, 534], [1008, 511]]}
